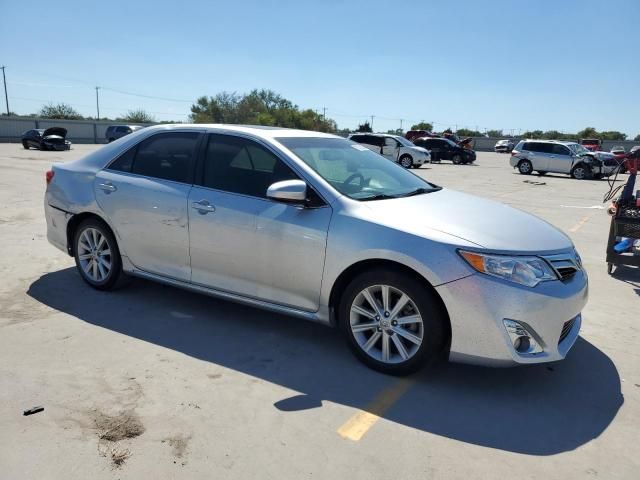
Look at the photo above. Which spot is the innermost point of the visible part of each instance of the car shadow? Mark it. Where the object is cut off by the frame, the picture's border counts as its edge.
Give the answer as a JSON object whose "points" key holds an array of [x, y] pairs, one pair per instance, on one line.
{"points": [[536, 410]]}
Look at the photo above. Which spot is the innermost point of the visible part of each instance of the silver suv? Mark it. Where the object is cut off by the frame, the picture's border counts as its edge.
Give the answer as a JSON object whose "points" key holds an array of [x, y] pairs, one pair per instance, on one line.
{"points": [[115, 132], [555, 156]]}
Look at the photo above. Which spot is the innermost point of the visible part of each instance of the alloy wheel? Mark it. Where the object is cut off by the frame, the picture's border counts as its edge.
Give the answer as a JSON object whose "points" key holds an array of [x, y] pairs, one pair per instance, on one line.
{"points": [[94, 255], [386, 324]]}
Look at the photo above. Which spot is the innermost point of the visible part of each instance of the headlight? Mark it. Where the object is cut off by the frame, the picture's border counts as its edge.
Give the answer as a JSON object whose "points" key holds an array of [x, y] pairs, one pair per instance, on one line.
{"points": [[529, 271]]}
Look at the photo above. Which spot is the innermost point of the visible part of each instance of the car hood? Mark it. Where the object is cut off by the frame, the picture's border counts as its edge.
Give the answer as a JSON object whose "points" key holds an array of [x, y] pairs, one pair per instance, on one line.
{"points": [[490, 225], [55, 131]]}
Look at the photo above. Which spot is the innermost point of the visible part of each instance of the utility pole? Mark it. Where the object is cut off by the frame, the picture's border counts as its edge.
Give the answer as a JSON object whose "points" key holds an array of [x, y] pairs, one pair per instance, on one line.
{"points": [[324, 113], [6, 97], [372, 117], [97, 103], [400, 125]]}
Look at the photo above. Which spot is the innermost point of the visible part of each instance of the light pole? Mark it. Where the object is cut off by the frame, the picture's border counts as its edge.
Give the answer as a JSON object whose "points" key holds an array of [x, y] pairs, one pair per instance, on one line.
{"points": [[97, 103], [6, 97]]}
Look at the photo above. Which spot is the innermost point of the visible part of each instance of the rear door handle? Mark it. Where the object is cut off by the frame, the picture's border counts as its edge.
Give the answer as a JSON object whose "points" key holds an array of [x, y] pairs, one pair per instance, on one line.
{"points": [[108, 187], [203, 207]]}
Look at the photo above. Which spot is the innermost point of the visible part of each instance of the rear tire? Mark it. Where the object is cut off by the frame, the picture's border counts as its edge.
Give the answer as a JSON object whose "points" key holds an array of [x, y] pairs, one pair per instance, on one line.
{"points": [[525, 167], [395, 343], [97, 255]]}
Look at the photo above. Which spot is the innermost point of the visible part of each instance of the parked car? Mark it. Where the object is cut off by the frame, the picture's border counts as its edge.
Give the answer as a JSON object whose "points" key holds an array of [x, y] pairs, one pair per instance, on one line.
{"points": [[52, 138], [592, 144], [634, 148], [393, 147], [312, 225], [115, 132], [503, 146], [445, 149], [556, 156], [413, 134]]}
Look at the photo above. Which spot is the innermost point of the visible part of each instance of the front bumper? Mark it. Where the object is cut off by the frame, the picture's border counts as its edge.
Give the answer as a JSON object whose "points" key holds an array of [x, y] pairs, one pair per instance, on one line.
{"points": [[478, 305]]}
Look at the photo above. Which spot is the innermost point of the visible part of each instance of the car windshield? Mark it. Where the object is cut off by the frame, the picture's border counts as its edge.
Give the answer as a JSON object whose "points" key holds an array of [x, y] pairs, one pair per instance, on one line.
{"points": [[354, 170], [590, 142], [404, 142], [577, 149]]}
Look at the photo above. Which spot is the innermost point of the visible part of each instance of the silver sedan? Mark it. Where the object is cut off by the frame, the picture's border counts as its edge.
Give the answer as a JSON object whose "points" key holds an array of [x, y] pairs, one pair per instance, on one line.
{"points": [[319, 227]]}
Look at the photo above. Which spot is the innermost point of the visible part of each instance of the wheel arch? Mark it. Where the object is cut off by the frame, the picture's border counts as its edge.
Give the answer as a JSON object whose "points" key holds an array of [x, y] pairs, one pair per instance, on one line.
{"points": [[357, 268], [76, 220]]}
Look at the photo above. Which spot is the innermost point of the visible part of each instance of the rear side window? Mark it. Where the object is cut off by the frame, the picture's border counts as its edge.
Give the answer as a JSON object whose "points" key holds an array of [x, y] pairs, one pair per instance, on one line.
{"points": [[168, 156], [357, 138], [538, 147], [239, 165]]}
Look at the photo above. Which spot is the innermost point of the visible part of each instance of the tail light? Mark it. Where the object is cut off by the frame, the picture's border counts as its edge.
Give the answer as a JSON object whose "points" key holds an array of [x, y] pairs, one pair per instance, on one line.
{"points": [[49, 176]]}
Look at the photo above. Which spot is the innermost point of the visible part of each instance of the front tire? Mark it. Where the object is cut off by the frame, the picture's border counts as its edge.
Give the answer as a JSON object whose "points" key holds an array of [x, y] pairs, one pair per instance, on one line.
{"points": [[406, 161], [25, 145], [391, 322], [581, 172], [97, 256], [525, 167], [457, 159]]}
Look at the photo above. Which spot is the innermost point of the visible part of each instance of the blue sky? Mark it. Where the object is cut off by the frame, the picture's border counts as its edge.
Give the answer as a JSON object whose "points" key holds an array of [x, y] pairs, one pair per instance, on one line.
{"points": [[509, 65]]}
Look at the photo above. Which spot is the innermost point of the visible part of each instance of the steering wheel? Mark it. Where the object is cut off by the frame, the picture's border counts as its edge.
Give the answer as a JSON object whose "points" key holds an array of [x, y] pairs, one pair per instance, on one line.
{"points": [[353, 176]]}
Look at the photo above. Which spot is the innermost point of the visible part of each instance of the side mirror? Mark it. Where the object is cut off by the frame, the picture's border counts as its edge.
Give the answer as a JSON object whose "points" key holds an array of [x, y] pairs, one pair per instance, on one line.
{"points": [[288, 191]]}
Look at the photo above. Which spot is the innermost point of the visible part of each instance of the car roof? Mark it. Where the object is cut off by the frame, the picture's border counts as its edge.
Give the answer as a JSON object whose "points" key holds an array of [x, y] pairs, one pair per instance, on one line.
{"points": [[266, 132], [561, 142]]}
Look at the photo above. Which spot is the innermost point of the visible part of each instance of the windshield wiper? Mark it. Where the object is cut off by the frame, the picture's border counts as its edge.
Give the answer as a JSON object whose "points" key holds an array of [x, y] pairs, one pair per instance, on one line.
{"points": [[420, 191], [377, 196]]}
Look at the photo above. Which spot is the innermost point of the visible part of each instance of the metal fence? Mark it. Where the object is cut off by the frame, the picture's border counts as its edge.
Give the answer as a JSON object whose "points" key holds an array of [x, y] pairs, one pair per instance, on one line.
{"points": [[78, 131]]}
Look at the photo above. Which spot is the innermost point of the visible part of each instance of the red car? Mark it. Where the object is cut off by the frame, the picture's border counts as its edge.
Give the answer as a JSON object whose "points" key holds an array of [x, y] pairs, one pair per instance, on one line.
{"points": [[592, 144], [411, 135]]}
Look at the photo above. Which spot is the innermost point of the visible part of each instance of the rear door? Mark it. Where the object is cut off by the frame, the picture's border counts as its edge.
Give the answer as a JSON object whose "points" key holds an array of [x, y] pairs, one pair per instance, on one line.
{"points": [[245, 243], [538, 154], [144, 194]]}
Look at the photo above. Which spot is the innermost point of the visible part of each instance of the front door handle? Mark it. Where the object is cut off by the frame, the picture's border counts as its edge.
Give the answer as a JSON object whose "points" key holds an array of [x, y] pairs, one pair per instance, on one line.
{"points": [[203, 207], [108, 187]]}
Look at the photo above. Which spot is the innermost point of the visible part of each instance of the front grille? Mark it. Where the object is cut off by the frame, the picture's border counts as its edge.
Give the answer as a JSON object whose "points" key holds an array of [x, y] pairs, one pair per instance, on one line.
{"points": [[566, 272], [565, 265], [566, 328]]}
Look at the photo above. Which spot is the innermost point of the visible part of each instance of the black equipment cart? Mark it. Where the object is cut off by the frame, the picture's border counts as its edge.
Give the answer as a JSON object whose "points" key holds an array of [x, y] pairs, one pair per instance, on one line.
{"points": [[625, 223]]}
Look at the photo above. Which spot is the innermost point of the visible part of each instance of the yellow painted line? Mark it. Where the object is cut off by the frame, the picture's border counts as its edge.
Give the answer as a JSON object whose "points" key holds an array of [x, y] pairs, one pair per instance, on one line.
{"points": [[579, 225], [355, 428]]}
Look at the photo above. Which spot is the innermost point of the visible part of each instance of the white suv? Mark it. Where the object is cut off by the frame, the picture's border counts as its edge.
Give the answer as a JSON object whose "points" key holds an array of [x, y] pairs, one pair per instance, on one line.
{"points": [[394, 147]]}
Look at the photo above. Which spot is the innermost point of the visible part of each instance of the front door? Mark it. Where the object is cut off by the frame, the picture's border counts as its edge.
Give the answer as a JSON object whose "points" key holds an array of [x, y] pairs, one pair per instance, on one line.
{"points": [[244, 243], [144, 194], [560, 159]]}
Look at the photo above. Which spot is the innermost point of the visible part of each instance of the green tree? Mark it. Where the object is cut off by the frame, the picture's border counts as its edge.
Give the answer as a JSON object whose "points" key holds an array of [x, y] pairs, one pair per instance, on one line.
{"points": [[636, 138], [258, 107], [588, 132], [465, 132], [10, 114], [537, 134], [138, 116], [61, 111], [495, 133], [422, 126], [364, 127], [613, 135]]}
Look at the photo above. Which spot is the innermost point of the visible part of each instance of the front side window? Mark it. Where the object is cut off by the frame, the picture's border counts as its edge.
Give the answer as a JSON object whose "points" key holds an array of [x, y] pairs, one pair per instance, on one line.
{"points": [[240, 165], [168, 156], [355, 171], [560, 150]]}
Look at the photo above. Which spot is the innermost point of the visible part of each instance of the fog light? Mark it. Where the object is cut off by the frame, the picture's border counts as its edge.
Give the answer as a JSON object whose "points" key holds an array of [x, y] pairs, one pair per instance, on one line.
{"points": [[523, 341]]}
